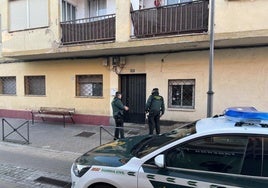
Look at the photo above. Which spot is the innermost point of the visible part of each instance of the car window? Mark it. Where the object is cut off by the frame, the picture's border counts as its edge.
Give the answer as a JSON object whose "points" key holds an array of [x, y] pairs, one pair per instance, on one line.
{"points": [[215, 153], [253, 157], [265, 158], [155, 142]]}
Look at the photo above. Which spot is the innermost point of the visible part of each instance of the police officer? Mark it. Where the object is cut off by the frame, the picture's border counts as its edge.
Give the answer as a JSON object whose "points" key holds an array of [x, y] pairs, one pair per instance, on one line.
{"points": [[118, 114], [156, 108]]}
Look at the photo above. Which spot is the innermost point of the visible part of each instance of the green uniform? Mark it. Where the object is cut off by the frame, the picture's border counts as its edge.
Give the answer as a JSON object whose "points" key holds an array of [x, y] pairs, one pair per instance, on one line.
{"points": [[155, 106], [118, 107], [118, 111]]}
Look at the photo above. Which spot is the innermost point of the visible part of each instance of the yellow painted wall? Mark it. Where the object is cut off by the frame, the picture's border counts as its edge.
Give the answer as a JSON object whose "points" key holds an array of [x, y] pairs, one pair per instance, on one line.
{"points": [[60, 85], [240, 15], [239, 78], [32, 41]]}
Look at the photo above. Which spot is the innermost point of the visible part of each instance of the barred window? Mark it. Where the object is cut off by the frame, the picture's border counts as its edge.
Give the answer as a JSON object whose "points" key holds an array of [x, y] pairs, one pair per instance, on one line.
{"points": [[89, 85], [8, 85], [35, 85], [181, 93]]}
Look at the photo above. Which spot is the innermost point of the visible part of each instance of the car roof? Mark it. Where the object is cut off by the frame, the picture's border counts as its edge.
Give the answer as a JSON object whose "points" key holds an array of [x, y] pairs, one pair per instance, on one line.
{"points": [[224, 125]]}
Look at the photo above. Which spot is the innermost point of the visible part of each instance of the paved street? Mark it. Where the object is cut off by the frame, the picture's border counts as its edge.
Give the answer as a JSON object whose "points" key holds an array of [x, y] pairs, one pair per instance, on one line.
{"points": [[47, 159]]}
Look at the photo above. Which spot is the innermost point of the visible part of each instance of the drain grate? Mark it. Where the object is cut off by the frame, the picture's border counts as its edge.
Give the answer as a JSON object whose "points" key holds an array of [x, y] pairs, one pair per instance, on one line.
{"points": [[85, 134], [52, 181]]}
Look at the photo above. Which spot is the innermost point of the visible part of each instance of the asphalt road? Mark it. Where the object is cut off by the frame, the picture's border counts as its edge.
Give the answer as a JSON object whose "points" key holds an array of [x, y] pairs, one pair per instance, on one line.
{"points": [[22, 165]]}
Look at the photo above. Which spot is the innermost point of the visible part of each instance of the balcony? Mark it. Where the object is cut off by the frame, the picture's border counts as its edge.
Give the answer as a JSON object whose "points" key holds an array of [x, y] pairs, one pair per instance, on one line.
{"points": [[94, 29], [174, 19], [183, 18]]}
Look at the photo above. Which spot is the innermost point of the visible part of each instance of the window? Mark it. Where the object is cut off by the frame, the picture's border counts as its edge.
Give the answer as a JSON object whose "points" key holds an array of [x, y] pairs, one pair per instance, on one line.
{"points": [[265, 158], [253, 157], [171, 2], [181, 93], [97, 8], [89, 85], [35, 85], [68, 11], [216, 154], [8, 85], [26, 14]]}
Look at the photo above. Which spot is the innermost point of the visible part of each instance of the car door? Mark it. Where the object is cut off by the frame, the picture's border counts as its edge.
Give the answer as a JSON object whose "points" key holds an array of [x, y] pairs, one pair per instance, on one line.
{"points": [[212, 161]]}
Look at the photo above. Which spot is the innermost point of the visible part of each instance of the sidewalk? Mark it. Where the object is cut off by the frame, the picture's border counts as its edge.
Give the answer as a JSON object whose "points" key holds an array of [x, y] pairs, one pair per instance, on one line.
{"points": [[74, 138], [53, 140], [9, 185]]}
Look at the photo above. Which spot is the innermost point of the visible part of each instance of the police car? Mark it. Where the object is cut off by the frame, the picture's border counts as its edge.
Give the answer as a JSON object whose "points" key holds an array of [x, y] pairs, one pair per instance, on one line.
{"points": [[220, 152]]}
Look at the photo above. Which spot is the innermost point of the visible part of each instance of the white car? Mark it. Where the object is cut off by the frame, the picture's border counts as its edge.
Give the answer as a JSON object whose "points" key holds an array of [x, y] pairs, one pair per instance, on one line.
{"points": [[219, 152]]}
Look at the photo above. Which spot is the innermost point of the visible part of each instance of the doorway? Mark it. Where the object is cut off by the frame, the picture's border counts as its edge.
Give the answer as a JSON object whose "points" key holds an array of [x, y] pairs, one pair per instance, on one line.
{"points": [[133, 88]]}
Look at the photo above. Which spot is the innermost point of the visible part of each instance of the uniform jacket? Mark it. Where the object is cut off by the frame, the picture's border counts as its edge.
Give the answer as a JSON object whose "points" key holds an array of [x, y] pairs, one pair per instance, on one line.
{"points": [[118, 107], [155, 103]]}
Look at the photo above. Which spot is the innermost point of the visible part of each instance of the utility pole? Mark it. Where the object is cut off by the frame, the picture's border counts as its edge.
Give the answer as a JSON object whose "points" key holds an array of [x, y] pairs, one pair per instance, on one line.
{"points": [[211, 62]]}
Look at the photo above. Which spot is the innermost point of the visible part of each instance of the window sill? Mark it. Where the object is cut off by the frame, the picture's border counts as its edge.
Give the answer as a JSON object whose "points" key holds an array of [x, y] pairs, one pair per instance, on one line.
{"points": [[35, 95], [91, 97], [181, 109], [7, 95]]}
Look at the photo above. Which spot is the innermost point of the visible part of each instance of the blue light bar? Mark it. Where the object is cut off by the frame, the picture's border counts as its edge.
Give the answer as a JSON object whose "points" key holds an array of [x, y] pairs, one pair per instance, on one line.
{"points": [[246, 114]]}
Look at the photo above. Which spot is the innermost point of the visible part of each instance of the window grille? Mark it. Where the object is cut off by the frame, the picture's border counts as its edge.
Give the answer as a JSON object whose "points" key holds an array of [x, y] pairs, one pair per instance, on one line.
{"points": [[35, 85], [89, 85], [8, 85], [181, 93]]}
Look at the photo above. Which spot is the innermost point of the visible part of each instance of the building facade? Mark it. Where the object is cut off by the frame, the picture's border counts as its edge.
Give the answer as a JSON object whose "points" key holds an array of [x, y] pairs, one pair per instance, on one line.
{"points": [[78, 53]]}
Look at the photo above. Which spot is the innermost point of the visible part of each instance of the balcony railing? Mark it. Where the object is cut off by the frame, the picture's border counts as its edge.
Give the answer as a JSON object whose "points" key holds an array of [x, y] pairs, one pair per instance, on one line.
{"points": [[171, 20], [101, 28]]}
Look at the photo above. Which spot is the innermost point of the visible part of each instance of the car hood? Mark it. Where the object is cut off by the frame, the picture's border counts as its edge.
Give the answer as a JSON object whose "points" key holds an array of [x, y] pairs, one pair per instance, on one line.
{"points": [[113, 154]]}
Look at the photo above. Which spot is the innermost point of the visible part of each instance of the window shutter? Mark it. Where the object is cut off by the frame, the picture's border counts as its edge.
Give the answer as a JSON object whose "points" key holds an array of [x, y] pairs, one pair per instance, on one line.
{"points": [[38, 13], [17, 15]]}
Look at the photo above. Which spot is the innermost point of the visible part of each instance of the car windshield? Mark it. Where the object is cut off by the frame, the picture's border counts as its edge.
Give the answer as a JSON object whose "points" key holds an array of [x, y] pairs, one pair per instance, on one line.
{"points": [[153, 143]]}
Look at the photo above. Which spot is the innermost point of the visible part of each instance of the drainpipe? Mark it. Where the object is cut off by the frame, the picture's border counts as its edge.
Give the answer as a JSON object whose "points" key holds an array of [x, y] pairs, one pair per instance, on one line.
{"points": [[211, 62]]}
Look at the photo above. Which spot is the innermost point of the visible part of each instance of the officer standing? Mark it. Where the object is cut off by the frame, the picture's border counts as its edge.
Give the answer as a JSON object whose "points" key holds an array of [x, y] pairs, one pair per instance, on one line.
{"points": [[118, 114], [156, 107]]}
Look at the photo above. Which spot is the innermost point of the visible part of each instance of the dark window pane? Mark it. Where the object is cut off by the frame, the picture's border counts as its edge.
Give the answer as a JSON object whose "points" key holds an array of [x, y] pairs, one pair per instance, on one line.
{"points": [[35, 85], [253, 157], [181, 93], [217, 154], [187, 95], [8, 85], [89, 85], [265, 158], [176, 95]]}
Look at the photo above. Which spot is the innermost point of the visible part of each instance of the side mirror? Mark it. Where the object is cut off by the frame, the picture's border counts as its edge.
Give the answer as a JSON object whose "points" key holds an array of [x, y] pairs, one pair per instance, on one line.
{"points": [[159, 161]]}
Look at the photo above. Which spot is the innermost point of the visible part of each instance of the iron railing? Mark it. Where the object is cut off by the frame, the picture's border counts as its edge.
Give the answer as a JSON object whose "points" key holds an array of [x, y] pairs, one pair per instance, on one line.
{"points": [[101, 28], [172, 19], [20, 136]]}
